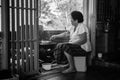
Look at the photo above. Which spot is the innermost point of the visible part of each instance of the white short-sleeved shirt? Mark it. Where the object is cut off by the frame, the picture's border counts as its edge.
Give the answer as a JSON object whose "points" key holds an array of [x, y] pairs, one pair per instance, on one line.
{"points": [[81, 28]]}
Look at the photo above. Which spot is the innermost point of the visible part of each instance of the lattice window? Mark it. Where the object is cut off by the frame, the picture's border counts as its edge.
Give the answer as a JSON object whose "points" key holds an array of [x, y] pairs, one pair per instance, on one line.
{"points": [[23, 35], [104, 10]]}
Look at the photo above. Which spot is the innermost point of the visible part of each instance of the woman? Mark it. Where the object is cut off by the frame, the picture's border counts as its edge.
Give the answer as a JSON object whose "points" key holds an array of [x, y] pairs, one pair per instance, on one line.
{"points": [[79, 40]]}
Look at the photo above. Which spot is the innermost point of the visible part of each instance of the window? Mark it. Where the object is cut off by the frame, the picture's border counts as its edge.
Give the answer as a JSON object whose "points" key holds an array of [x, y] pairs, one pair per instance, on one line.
{"points": [[55, 14], [23, 31]]}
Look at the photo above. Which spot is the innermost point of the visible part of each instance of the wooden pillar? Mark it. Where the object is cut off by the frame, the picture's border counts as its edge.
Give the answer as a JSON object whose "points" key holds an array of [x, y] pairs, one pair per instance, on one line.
{"points": [[36, 37], [92, 25], [5, 29]]}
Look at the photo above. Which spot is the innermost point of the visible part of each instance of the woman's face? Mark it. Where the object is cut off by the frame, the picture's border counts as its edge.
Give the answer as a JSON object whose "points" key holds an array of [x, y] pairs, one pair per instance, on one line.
{"points": [[73, 22]]}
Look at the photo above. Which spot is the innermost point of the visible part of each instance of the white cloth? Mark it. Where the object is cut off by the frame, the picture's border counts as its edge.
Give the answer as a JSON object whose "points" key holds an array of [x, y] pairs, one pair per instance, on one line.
{"points": [[81, 28]]}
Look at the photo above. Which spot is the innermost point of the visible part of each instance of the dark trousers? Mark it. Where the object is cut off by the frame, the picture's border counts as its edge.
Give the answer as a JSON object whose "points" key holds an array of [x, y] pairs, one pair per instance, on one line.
{"points": [[72, 49]]}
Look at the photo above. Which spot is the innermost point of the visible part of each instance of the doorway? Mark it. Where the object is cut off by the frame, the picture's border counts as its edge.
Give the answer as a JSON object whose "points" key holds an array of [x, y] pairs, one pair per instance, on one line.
{"points": [[107, 30]]}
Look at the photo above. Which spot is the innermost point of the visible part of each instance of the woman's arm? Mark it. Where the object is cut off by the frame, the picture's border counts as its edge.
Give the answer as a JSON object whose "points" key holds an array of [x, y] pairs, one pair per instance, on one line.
{"points": [[81, 40], [61, 35]]}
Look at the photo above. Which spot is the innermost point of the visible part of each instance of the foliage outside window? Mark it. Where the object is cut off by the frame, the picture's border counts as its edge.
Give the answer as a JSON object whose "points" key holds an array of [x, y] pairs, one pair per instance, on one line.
{"points": [[55, 14]]}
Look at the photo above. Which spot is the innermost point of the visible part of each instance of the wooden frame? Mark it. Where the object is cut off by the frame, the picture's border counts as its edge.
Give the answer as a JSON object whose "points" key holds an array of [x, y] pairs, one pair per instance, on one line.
{"points": [[20, 29]]}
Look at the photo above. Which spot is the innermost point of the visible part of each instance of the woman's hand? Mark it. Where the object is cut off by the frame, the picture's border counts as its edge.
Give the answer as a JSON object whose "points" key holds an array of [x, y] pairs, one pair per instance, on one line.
{"points": [[53, 37]]}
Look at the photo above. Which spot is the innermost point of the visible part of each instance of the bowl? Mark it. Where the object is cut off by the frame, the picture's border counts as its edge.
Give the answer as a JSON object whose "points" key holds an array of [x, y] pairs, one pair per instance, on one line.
{"points": [[46, 66]]}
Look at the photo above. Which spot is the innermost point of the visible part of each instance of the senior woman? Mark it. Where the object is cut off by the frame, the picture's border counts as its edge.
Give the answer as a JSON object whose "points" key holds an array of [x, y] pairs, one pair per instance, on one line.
{"points": [[78, 40]]}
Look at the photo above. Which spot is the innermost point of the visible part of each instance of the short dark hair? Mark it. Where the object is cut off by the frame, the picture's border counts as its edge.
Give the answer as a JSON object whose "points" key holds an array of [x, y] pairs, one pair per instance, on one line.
{"points": [[77, 15]]}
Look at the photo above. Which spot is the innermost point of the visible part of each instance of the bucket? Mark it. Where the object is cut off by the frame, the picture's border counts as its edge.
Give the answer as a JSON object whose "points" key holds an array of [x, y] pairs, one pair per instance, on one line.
{"points": [[80, 63]]}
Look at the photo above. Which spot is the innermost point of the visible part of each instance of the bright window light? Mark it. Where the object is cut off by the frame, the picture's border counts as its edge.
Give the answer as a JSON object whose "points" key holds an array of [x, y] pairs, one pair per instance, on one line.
{"points": [[55, 14]]}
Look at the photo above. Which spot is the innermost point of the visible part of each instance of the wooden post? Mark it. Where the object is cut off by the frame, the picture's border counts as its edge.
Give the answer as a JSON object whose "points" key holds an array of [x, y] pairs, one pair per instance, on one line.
{"points": [[5, 29], [92, 25]]}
